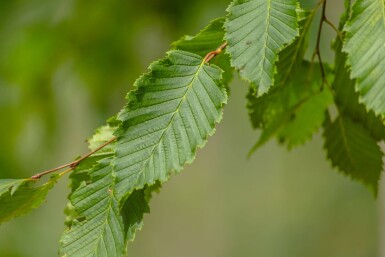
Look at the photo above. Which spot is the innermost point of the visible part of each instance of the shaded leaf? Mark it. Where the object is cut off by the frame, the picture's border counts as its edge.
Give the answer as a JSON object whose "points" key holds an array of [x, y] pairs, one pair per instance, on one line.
{"points": [[353, 151], [209, 39], [291, 112], [19, 197]]}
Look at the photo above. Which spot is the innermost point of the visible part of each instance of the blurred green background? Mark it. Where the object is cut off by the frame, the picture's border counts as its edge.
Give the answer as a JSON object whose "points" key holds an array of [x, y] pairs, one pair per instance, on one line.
{"points": [[66, 65]]}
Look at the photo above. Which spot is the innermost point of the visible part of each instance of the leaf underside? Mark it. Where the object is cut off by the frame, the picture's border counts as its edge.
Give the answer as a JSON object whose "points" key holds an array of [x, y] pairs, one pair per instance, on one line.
{"points": [[256, 31], [365, 46]]}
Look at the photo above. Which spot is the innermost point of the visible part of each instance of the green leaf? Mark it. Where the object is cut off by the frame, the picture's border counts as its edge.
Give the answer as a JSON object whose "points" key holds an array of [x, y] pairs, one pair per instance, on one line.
{"points": [[81, 174], [133, 211], [294, 109], [290, 63], [19, 197], [98, 230], [347, 99], [86, 180], [353, 151], [134, 208], [82, 171], [102, 135], [10, 185], [256, 32], [172, 112], [209, 39], [365, 46], [291, 112]]}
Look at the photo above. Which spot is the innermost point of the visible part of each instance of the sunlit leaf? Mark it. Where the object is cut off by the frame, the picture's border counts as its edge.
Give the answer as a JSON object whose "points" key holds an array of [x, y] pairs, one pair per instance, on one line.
{"points": [[171, 114], [365, 46]]}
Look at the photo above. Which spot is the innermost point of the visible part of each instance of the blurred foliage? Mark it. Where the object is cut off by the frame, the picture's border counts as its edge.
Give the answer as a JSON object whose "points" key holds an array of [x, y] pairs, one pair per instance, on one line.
{"points": [[65, 66]]}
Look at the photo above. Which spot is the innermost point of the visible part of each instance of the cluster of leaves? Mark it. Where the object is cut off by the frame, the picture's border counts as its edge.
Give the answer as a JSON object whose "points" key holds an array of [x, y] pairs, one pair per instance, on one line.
{"points": [[176, 105]]}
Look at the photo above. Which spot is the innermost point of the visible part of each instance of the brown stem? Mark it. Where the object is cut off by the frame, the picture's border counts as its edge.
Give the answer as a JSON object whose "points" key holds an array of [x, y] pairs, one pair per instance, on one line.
{"points": [[212, 54], [317, 48], [72, 165]]}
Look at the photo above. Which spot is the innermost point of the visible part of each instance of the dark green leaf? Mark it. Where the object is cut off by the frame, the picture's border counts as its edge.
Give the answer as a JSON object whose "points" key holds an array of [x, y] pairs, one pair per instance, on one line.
{"points": [[353, 151], [19, 197]]}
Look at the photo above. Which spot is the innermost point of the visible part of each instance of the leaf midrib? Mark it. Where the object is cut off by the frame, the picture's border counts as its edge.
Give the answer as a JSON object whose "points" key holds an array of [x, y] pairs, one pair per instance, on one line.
{"points": [[266, 39], [183, 98], [345, 141]]}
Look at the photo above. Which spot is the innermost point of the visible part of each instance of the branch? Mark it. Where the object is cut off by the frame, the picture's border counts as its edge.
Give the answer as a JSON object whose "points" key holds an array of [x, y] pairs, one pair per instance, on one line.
{"points": [[317, 48], [212, 54], [74, 164]]}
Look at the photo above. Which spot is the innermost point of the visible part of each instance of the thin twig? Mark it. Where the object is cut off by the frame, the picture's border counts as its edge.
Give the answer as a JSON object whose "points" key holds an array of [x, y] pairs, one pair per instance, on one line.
{"points": [[212, 54], [72, 165], [317, 48], [339, 33]]}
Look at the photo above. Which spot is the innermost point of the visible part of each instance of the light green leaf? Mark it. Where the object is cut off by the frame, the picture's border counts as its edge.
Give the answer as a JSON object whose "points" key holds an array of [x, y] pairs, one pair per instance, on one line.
{"points": [[10, 185], [292, 112], [347, 99], [19, 197], [353, 151], [256, 31], [172, 112], [209, 39], [102, 135], [365, 46], [98, 229]]}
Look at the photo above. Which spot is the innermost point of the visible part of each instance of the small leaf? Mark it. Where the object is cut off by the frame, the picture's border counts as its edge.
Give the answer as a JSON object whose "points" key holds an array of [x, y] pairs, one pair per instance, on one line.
{"points": [[353, 151], [19, 197], [291, 112], [10, 185], [134, 208], [133, 211], [256, 32]]}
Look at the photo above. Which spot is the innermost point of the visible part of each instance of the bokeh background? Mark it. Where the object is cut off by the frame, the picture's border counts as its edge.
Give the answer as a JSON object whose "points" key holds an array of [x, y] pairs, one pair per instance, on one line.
{"points": [[66, 65]]}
